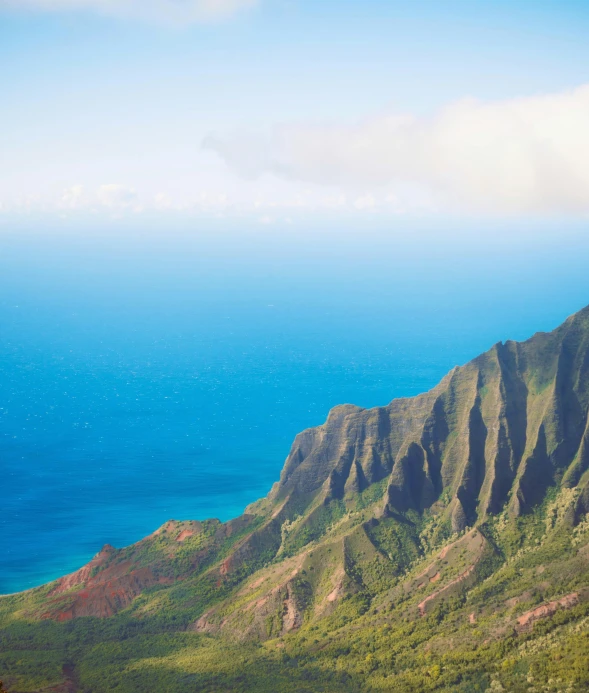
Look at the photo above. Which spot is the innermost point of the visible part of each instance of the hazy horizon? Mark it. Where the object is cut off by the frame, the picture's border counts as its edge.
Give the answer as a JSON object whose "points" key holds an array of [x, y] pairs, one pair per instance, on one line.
{"points": [[266, 111]]}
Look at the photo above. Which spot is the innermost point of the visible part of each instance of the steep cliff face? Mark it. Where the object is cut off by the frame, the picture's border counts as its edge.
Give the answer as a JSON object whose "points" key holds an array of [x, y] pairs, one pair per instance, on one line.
{"points": [[498, 431], [443, 522], [495, 434]]}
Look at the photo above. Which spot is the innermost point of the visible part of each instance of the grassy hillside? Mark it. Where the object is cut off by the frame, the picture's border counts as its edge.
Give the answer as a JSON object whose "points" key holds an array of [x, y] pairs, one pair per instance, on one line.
{"points": [[440, 543]]}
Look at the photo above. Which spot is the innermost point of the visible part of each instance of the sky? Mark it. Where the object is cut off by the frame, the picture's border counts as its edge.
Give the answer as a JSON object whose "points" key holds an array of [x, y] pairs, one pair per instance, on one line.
{"points": [[279, 110]]}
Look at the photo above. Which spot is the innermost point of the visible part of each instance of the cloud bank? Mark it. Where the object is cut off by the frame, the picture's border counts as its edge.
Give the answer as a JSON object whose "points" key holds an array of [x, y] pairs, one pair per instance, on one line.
{"points": [[520, 156], [169, 11]]}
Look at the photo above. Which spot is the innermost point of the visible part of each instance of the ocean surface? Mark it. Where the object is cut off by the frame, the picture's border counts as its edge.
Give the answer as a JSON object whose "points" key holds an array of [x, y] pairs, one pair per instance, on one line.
{"points": [[156, 374]]}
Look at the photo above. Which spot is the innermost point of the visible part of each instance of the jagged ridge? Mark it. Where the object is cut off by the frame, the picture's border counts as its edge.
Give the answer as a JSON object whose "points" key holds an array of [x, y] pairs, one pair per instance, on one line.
{"points": [[497, 431], [367, 529]]}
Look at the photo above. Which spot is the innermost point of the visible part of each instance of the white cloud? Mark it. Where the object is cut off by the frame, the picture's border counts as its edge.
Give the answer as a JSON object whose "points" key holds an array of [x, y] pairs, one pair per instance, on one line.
{"points": [[117, 197], [518, 156], [72, 198], [367, 201], [169, 11], [162, 201]]}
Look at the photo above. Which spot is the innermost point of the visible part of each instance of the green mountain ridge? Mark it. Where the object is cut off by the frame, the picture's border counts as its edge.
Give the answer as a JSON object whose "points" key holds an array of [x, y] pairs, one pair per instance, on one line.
{"points": [[438, 543], [482, 432]]}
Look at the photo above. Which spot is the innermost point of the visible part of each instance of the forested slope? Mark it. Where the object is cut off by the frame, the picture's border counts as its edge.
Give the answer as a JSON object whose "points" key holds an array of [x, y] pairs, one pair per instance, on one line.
{"points": [[439, 543]]}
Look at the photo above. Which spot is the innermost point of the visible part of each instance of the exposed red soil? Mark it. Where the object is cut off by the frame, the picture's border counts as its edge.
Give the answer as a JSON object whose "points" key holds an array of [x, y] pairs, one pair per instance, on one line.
{"points": [[224, 569], [527, 620], [80, 577], [203, 625], [474, 540], [435, 566], [456, 581], [292, 618], [184, 534], [107, 584], [101, 593], [254, 585]]}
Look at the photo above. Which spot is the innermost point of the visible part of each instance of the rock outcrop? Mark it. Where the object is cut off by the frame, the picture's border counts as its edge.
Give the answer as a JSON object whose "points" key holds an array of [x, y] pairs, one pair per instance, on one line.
{"points": [[495, 432], [390, 531]]}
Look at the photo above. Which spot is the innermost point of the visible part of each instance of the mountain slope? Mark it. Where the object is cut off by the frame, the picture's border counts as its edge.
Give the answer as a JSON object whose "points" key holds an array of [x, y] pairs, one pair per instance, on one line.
{"points": [[404, 548], [502, 428]]}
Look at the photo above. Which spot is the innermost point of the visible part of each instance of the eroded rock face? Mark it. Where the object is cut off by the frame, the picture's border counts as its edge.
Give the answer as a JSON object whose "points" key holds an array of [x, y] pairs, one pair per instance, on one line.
{"points": [[292, 616], [104, 595], [82, 576], [101, 588], [114, 578], [504, 426], [493, 435]]}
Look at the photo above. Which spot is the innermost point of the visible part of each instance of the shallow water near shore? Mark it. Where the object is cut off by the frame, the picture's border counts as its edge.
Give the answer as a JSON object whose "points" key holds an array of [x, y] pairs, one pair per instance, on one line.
{"points": [[147, 375]]}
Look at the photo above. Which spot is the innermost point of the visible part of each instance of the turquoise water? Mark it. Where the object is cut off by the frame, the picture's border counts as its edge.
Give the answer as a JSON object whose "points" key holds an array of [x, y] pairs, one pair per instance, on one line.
{"points": [[154, 375]]}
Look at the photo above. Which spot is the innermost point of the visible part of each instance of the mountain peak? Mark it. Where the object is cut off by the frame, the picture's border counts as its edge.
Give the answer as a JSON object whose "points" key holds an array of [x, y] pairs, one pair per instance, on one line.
{"points": [[426, 522], [519, 412]]}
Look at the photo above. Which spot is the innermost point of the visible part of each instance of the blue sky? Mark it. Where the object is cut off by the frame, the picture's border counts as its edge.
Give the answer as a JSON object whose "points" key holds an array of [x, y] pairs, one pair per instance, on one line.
{"points": [[281, 108]]}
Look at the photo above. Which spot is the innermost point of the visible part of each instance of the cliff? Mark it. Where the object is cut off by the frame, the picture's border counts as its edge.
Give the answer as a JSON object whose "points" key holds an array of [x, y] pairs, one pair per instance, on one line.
{"points": [[464, 506], [497, 431]]}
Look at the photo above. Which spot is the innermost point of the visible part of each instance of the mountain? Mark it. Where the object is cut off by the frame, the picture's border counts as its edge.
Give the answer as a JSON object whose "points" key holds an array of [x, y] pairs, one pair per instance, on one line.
{"points": [[438, 543]]}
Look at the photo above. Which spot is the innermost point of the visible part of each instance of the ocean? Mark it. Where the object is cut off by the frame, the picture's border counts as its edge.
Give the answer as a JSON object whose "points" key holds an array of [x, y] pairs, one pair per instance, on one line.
{"points": [[154, 373]]}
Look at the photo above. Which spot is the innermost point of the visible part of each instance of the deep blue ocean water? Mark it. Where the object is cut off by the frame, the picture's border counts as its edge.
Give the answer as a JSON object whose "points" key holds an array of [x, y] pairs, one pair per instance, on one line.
{"points": [[155, 374]]}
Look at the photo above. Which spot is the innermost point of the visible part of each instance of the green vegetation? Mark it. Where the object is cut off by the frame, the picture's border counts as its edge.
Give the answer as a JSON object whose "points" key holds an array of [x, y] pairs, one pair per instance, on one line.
{"points": [[374, 639], [462, 564]]}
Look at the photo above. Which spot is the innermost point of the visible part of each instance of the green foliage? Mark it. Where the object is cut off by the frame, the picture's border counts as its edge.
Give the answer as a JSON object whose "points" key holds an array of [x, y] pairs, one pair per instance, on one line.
{"points": [[320, 595], [374, 493], [397, 540], [314, 526], [374, 640]]}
